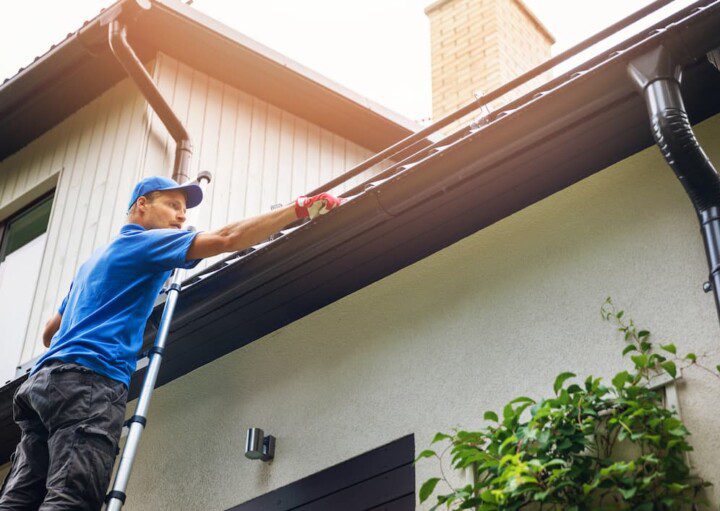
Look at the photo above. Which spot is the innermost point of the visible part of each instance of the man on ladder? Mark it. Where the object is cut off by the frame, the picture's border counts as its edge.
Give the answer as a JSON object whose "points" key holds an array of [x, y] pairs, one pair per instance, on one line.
{"points": [[71, 409]]}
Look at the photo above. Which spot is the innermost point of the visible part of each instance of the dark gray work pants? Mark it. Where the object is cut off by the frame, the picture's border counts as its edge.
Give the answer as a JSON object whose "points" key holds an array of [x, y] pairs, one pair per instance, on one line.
{"points": [[70, 418]]}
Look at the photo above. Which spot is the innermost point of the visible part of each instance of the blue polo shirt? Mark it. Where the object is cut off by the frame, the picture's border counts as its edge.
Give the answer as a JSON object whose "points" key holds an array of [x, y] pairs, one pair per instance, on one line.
{"points": [[112, 296]]}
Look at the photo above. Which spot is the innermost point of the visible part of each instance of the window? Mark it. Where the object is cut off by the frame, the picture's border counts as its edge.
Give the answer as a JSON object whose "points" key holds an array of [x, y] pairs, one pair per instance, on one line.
{"points": [[25, 226], [22, 242]]}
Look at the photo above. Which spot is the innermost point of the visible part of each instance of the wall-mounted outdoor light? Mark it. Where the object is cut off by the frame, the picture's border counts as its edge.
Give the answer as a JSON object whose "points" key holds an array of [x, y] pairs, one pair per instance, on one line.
{"points": [[258, 446]]}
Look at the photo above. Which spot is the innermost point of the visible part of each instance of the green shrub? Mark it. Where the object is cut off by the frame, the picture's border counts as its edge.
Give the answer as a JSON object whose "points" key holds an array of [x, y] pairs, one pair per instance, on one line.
{"points": [[588, 446]]}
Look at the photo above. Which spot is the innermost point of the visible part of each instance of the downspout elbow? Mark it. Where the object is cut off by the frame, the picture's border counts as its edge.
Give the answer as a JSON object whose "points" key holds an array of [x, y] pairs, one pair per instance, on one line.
{"points": [[658, 80], [123, 52]]}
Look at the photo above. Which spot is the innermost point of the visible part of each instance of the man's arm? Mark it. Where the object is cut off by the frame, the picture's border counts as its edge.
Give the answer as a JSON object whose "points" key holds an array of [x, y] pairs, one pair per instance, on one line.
{"points": [[51, 327], [240, 235], [251, 231]]}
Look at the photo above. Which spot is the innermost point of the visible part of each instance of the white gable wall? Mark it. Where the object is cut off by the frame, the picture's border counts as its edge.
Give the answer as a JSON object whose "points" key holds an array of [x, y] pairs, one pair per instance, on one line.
{"points": [[259, 155], [91, 159]]}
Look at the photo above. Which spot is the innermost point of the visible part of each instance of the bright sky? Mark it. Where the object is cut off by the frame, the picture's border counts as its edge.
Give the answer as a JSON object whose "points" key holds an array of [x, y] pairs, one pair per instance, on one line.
{"points": [[378, 48]]}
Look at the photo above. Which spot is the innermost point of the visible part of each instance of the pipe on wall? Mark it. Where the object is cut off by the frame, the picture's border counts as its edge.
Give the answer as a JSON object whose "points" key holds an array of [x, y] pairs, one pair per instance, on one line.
{"points": [[123, 52], [657, 77]]}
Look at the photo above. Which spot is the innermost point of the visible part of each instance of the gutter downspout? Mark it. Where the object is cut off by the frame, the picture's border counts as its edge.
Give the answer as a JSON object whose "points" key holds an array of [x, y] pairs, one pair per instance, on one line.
{"points": [[657, 77], [123, 52]]}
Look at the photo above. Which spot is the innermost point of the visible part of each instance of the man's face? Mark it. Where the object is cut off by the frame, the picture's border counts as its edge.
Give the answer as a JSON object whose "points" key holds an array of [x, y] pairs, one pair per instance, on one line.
{"points": [[166, 211]]}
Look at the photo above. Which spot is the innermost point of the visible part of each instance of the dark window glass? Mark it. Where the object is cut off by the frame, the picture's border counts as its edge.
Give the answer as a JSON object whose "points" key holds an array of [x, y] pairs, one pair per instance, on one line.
{"points": [[26, 226]]}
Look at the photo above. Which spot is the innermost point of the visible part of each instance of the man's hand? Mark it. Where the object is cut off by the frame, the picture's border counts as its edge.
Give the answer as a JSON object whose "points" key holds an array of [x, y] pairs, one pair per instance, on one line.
{"points": [[316, 205], [246, 233]]}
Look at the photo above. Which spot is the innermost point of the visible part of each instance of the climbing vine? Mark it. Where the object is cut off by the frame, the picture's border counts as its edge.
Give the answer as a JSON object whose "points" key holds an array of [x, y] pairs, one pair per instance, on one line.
{"points": [[589, 445]]}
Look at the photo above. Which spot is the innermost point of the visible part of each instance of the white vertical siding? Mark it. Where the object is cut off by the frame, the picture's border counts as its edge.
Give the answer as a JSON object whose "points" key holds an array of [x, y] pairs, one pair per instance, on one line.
{"points": [[93, 155], [259, 156]]}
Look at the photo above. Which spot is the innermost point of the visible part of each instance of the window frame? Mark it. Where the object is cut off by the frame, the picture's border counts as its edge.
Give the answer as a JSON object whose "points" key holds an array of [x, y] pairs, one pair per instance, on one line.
{"points": [[9, 219]]}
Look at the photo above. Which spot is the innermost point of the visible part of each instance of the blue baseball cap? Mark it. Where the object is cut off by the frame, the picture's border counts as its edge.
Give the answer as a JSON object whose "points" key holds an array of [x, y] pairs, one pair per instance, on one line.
{"points": [[192, 191]]}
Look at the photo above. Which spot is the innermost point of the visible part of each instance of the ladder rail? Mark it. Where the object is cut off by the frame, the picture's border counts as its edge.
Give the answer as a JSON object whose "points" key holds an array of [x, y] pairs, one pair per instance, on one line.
{"points": [[116, 497]]}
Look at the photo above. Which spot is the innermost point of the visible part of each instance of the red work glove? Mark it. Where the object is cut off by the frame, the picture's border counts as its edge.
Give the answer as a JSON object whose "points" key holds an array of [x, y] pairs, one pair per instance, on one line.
{"points": [[316, 205]]}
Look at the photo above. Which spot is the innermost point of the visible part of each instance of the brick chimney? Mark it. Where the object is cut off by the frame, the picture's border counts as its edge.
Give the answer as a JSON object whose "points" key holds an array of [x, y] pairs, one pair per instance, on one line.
{"points": [[479, 45]]}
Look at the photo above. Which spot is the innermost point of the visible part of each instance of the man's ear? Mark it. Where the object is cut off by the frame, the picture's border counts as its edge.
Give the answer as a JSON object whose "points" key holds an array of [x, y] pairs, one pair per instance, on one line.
{"points": [[141, 203]]}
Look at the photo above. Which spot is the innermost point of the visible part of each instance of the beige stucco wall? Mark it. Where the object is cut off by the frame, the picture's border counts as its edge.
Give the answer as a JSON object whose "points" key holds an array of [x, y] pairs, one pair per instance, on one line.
{"points": [[434, 345]]}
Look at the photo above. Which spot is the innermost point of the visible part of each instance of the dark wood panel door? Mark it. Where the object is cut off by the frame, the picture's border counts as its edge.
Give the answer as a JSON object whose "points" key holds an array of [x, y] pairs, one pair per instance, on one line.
{"points": [[379, 480]]}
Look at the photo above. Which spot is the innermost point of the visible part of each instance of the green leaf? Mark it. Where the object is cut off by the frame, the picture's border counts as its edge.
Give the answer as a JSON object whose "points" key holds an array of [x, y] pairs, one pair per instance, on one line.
{"points": [[544, 438], [628, 349], [643, 333], [640, 361], [564, 397], [564, 444], [670, 348], [560, 380], [587, 488], [427, 488], [574, 389], [440, 436], [522, 399], [691, 357], [491, 416], [669, 367], [677, 487], [427, 453], [508, 412], [621, 379], [718, 368], [628, 493]]}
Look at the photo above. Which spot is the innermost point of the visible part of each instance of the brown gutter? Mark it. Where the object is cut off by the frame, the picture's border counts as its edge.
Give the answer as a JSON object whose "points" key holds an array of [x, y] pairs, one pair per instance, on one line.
{"points": [[123, 52]]}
